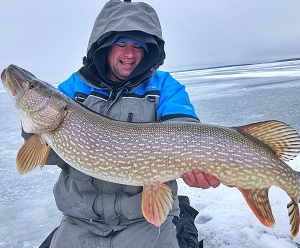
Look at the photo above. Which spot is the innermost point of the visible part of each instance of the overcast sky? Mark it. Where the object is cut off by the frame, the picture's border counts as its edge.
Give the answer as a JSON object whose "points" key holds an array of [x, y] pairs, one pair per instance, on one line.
{"points": [[49, 38]]}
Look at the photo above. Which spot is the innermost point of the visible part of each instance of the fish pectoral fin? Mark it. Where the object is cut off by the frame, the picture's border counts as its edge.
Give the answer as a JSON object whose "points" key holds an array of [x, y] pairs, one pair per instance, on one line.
{"points": [[33, 153], [293, 209], [156, 202], [258, 201]]}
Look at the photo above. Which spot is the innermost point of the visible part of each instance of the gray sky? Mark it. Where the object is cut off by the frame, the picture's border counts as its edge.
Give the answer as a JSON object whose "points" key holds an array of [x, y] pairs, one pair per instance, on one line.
{"points": [[49, 38]]}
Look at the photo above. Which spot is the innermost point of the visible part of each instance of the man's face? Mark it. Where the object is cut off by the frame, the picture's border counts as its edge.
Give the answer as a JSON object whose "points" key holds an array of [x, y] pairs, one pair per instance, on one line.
{"points": [[122, 59]]}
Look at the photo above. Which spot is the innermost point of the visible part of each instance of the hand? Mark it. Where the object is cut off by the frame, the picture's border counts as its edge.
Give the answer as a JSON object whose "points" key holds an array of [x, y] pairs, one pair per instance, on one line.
{"points": [[199, 179]]}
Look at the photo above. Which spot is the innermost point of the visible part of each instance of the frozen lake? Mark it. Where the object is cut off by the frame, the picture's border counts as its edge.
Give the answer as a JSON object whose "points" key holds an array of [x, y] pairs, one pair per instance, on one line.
{"points": [[229, 96]]}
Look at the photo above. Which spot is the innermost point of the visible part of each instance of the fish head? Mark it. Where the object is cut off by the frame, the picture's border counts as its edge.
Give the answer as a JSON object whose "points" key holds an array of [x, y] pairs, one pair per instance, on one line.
{"points": [[14, 79], [41, 106]]}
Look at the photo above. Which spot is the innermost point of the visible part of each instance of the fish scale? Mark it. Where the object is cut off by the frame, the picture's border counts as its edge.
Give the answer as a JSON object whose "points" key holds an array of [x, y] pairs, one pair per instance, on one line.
{"points": [[250, 158]]}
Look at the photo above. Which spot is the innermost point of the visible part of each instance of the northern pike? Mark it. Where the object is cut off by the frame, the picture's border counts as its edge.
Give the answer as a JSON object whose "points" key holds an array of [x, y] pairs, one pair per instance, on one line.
{"points": [[250, 158]]}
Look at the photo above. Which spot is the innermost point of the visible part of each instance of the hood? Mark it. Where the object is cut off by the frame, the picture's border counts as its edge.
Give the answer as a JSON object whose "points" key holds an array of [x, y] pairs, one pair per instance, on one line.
{"points": [[136, 20]]}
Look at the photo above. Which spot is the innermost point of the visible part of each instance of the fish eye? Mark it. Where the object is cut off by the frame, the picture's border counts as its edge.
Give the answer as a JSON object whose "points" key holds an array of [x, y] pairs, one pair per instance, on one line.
{"points": [[31, 85]]}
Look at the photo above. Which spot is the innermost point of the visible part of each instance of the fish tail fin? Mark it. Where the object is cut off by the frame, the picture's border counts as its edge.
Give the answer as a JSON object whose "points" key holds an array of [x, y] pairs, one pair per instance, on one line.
{"points": [[33, 153], [279, 136], [293, 210]]}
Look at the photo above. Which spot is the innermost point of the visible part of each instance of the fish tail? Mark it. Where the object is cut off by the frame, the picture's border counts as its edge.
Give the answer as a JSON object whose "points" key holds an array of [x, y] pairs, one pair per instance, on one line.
{"points": [[293, 210], [284, 141], [293, 207]]}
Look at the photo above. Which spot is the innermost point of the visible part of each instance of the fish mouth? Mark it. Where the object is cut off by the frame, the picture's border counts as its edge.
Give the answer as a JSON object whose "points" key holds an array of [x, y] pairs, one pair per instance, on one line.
{"points": [[9, 86], [3, 76]]}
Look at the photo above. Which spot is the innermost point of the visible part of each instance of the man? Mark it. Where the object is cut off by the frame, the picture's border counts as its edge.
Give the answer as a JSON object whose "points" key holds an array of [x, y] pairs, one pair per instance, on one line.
{"points": [[119, 79]]}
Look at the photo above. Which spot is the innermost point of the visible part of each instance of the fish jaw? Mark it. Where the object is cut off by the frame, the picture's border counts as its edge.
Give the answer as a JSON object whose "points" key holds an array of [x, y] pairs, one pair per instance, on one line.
{"points": [[8, 84], [4, 81]]}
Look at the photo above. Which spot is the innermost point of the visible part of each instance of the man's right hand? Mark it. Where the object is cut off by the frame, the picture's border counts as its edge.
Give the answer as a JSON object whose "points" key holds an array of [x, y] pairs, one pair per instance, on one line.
{"points": [[199, 179]]}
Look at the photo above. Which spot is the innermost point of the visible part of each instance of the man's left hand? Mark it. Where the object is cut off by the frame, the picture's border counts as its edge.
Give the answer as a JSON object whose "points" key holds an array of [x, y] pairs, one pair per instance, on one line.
{"points": [[199, 179]]}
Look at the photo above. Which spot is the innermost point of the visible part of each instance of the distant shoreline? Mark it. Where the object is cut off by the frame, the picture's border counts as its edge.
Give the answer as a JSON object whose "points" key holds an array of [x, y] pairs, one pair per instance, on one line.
{"points": [[237, 65]]}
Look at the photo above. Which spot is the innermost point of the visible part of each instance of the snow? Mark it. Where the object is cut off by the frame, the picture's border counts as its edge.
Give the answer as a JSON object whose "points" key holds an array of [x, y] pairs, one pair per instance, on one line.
{"points": [[228, 96]]}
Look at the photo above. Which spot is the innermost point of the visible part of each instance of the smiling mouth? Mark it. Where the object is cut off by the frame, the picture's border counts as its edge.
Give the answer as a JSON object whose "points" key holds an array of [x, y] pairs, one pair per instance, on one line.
{"points": [[127, 63]]}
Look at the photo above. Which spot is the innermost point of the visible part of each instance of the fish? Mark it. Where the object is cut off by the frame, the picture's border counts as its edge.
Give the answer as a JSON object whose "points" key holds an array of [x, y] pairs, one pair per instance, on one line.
{"points": [[251, 157]]}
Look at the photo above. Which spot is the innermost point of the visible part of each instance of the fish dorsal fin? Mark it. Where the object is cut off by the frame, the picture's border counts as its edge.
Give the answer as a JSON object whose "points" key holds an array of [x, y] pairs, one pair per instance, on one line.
{"points": [[293, 209], [258, 201], [31, 154], [157, 202], [280, 137]]}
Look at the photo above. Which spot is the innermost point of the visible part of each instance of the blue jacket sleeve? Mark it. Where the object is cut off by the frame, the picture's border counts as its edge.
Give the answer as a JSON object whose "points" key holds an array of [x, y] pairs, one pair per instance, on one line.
{"points": [[175, 103], [68, 87]]}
